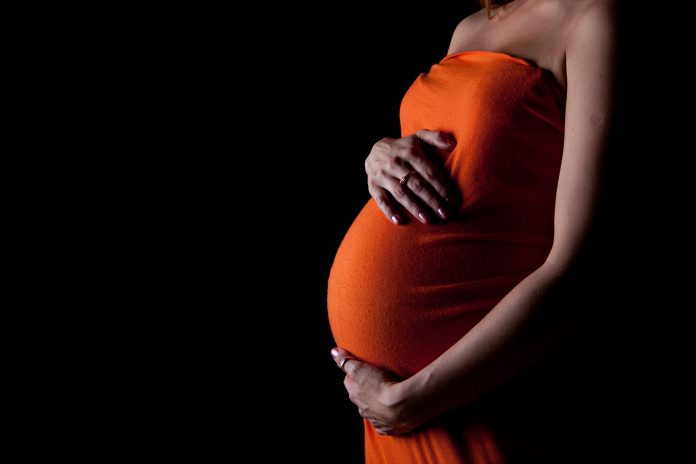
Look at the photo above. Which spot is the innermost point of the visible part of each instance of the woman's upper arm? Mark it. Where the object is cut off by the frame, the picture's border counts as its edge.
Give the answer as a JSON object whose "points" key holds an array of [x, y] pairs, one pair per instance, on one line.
{"points": [[590, 67]]}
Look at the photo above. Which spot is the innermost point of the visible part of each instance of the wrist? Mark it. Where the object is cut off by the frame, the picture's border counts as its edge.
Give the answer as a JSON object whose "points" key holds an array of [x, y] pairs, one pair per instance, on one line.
{"points": [[413, 397]]}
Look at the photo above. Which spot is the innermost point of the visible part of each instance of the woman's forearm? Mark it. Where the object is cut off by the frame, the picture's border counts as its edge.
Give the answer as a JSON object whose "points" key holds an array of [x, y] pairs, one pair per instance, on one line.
{"points": [[518, 331]]}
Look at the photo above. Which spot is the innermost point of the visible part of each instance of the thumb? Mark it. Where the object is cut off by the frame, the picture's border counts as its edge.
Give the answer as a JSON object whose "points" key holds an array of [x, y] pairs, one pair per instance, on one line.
{"points": [[438, 139]]}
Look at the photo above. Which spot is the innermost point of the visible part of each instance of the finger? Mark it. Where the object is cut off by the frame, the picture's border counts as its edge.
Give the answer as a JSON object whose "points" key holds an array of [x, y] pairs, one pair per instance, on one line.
{"points": [[417, 185], [342, 358], [354, 393], [354, 369], [384, 202], [394, 171], [418, 160], [407, 199], [427, 195], [438, 139]]}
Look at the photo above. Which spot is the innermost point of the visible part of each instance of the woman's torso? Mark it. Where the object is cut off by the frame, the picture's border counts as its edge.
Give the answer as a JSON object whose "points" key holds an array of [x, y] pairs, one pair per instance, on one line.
{"points": [[400, 296]]}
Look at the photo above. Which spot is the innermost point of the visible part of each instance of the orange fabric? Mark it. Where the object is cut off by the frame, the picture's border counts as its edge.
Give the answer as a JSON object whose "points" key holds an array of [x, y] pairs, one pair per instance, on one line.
{"points": [[399, 296]]}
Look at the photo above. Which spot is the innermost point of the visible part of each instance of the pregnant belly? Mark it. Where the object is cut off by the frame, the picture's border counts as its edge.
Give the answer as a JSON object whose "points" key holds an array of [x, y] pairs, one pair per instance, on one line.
{"points": [[399, 296]]}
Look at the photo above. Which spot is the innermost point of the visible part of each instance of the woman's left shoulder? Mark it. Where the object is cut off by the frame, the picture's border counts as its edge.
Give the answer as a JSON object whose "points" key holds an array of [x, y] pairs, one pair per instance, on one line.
{"points": [[594, 11], [594, 18]]}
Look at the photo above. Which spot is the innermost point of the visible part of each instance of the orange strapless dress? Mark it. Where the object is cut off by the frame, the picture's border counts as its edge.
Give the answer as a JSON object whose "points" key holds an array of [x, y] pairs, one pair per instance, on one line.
{"points": [[399, 296]]}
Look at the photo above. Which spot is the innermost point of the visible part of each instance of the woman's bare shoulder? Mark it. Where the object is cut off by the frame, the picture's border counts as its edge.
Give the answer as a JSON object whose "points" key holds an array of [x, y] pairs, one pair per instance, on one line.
{"points": [[467, 29], [596, 8], [590, 18]]}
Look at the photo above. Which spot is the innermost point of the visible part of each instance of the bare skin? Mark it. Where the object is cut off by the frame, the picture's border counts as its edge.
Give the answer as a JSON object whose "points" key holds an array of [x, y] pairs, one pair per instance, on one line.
{"points": [[427, 192], [575, 41]]}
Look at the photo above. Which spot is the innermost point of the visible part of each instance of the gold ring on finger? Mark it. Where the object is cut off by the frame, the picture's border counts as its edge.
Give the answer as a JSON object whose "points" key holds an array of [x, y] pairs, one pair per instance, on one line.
{"points": [[404, 179]]}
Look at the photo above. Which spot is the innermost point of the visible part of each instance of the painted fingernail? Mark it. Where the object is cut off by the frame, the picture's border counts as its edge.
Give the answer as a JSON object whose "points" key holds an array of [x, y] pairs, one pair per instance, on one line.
{"points": [[395, 219], [334, 353], [422, 218], [442, 213]]}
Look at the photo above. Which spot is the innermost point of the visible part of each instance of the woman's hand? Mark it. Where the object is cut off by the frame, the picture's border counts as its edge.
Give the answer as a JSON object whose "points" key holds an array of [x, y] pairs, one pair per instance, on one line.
{"points": [[377, 394], [400, 172]]}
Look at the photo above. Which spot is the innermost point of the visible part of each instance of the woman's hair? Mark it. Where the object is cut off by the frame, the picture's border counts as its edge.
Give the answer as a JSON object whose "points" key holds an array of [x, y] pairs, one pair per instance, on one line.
{"points": [[488, 5]]}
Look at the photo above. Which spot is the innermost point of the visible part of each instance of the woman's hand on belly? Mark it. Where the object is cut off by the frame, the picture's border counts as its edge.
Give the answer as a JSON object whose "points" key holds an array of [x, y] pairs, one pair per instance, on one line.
{"points": [[399, 172], [378, 395]]}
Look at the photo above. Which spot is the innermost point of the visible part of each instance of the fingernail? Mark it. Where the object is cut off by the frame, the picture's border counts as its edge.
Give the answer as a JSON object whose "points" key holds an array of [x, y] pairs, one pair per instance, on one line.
{"points": [[395, 219], [442, 213], [422, 218], [334, 353]]}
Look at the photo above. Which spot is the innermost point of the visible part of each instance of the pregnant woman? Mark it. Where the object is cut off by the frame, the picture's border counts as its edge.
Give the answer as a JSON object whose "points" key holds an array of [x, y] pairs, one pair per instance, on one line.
{"points": [[450, 282]]}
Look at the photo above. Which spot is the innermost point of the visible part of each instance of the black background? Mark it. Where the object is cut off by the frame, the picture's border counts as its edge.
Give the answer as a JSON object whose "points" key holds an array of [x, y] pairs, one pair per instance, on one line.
{"points": [[267, 219]]}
